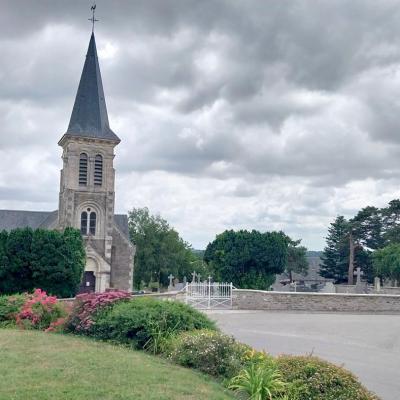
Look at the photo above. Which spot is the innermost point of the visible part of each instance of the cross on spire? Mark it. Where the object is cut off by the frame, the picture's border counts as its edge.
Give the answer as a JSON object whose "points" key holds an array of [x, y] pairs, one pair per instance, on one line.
{"points": [[93, 19]]}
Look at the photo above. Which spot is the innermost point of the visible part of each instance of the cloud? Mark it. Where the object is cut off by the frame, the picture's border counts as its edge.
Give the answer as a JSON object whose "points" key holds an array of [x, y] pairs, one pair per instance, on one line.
{"points": [[265, 115]]}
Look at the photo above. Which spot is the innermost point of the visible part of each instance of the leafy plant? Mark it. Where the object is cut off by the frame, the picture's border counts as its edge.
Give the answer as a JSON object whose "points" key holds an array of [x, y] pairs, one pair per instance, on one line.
{"points": [[10, 306], [208, 351], [259, 380], [146, 323], [313, 379]]}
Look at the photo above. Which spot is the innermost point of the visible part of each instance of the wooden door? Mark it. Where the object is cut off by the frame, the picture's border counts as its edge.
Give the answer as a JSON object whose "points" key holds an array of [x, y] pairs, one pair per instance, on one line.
{"points": [[88, 284]]}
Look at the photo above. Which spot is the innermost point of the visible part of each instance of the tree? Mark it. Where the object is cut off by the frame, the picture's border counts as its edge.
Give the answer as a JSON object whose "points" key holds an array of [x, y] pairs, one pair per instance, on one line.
{"points": [[160, 250], [58, 261], [391, 222], [17, 273], [247, 259], [367, 228], [346, 247], [335, 257], [297, 259], [50, 260], [386, 262]]}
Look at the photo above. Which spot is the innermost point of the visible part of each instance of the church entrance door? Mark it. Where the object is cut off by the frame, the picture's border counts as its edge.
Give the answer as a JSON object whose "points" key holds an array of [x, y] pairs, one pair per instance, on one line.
{"points": [[88, 284]]}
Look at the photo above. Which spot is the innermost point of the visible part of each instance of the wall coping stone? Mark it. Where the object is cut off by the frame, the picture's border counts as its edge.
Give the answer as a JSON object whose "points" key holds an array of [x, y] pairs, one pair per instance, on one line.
{"points": [[318, 294]]}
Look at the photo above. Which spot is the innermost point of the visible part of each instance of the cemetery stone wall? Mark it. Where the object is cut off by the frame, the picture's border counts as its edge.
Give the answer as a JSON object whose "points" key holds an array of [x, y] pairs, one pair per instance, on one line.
{"points": [[244, 299]]}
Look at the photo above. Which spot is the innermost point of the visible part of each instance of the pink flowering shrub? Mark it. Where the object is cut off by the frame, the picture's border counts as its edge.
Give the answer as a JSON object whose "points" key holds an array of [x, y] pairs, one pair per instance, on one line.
{"points": [[88, 304], [39, 311], [57, 325]]}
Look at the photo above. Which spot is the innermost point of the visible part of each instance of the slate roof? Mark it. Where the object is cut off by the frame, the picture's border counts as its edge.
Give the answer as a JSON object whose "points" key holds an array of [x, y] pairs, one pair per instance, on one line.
{"points": [[89, 116], [12, 219], [121, 220]]}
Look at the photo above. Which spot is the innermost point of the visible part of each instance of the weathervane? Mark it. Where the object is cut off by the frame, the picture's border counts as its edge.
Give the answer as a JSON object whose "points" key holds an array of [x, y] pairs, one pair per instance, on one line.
{"points": [[93, 19]]}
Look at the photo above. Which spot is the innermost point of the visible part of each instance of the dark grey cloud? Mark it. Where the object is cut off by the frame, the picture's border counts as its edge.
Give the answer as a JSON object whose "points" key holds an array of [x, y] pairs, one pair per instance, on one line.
{"points": [[275, 112]]}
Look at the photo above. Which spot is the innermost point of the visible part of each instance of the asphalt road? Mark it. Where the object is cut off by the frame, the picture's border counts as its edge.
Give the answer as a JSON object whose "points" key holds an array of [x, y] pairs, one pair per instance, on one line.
{"points": [[367, 345]]}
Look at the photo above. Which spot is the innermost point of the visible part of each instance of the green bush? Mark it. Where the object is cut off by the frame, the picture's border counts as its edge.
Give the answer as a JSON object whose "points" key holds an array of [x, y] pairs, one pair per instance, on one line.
{"points": [[48, 259], [208, 351], [10, 306], [313, 379], [146, 323]]}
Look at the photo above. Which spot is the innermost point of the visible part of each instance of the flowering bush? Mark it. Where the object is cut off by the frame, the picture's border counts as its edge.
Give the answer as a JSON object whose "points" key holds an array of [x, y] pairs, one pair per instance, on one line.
{"points": [[211, 352], [57, 325], [39, 311], [87, 305]]}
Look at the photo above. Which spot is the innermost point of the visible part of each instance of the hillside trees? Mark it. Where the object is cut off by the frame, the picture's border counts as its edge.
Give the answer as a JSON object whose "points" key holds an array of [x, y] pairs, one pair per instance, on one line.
{"points": [[51, 260]]}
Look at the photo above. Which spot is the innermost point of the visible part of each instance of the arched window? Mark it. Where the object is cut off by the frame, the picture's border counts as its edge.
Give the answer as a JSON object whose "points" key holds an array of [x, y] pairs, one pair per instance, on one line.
{"points": [[83, 169], [92, 223], [98, 170], [88, 222], [84, 223]]}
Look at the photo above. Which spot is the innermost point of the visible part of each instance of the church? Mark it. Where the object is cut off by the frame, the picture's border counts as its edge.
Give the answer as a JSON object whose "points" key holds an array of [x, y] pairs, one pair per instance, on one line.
{"points": [[87, 189]]}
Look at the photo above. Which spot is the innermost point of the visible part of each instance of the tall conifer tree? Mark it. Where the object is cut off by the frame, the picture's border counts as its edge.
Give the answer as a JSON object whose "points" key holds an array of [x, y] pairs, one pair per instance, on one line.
{"points": [[335, 258]]}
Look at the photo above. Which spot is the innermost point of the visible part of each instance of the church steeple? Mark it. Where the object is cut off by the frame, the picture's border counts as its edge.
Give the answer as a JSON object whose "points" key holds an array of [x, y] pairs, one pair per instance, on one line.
{"points": [[89, 117]]}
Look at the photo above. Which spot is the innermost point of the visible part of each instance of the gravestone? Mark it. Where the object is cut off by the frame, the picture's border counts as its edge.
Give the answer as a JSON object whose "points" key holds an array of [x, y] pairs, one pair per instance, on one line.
{"points": [[171, 282], [377, 284], [328, 288], [360, 287]]}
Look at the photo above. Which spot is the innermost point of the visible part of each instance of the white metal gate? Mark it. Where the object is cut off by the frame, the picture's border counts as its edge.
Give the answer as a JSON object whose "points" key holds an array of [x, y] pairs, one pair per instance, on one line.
{"points": [[207, 295]]}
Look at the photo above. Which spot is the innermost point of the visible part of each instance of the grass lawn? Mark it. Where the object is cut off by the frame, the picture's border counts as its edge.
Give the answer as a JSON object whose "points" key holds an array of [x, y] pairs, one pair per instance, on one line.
{"points": [[36, 365]]}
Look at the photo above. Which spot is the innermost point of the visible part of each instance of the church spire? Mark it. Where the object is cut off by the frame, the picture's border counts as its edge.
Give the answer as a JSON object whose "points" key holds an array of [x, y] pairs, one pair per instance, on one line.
{"points": [[89, 117]]}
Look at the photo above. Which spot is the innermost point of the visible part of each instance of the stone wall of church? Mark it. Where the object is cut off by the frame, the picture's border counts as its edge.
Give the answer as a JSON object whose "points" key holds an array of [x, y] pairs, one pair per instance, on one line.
{"points": [[122, 253], [321, 302]]}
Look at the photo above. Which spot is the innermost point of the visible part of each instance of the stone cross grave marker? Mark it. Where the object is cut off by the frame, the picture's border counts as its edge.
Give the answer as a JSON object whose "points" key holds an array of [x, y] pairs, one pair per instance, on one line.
{"points": [[359, 274], [170, 277], [193, 276]]}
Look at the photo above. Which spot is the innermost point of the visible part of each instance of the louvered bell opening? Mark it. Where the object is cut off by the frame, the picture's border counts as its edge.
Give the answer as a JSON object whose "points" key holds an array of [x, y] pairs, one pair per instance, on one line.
{"points": [[98, 170], [83, 169]]}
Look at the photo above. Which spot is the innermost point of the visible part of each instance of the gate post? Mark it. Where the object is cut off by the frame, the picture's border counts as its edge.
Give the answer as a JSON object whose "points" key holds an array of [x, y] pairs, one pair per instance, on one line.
{"points": [[231, 294], [209, 292]]}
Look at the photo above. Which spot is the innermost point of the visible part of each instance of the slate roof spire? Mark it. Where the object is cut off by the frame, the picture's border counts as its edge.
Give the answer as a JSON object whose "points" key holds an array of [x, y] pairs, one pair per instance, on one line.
{"points": [[89, 117]]}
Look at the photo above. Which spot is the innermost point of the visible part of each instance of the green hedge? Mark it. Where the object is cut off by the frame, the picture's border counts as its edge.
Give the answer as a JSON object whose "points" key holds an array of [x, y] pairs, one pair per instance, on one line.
{"points": [[47, 259], [146, 322], [311, 378]]}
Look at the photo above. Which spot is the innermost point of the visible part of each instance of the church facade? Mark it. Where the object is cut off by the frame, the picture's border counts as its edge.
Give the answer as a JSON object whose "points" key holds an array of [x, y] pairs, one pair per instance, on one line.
{"points": [[87, 188]]}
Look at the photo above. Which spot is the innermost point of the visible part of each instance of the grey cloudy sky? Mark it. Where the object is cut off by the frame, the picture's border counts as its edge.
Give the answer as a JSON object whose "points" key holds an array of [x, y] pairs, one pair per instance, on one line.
{"points": [[277, 114]]}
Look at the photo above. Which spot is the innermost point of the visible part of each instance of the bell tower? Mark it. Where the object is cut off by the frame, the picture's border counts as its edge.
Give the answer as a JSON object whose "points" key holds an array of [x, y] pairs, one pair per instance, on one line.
{"points": [[86, 199]]}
